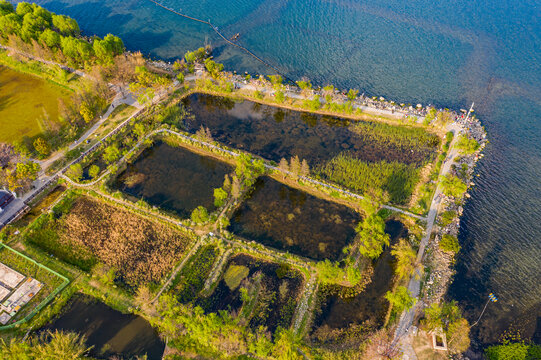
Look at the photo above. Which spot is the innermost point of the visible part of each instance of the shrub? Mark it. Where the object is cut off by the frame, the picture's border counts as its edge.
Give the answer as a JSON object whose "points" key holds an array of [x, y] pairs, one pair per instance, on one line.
{"points": [[453, 186], [466, 145], [449, 243], [446, 217], [513, 351]]}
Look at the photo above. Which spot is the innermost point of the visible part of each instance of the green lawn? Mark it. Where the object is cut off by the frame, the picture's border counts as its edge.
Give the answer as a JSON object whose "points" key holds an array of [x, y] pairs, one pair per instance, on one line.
{"points": [[28, 105]]}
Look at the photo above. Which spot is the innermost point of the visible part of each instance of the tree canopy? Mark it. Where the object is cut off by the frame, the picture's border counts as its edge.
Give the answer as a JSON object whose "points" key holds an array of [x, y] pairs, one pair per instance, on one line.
{"points": [[59, 34], [372, 236]]}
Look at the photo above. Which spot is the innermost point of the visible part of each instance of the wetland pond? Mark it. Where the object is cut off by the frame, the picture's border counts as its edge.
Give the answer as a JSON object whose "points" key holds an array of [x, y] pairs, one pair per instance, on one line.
{"points": [[272, 291], [368, 307], [289, 219], [173, 178], [28, 105], [110, 332], [274, 133]]}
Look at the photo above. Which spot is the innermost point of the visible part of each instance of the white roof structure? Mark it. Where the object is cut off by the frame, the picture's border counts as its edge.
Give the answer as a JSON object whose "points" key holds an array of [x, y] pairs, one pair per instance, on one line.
{"points": [[10, 277]]}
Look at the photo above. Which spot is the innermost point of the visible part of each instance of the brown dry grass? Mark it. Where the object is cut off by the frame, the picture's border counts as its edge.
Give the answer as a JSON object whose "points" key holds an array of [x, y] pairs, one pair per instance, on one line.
{"points": [[140, 250]]}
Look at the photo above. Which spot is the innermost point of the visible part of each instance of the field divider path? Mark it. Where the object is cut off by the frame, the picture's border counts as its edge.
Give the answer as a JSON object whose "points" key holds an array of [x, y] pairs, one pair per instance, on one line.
{"points": [[303, 307], [179, 267], [217, 269]]}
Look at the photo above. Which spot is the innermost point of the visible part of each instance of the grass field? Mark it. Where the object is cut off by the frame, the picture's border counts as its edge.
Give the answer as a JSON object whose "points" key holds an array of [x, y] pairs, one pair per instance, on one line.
{"points": [[28, 105]]}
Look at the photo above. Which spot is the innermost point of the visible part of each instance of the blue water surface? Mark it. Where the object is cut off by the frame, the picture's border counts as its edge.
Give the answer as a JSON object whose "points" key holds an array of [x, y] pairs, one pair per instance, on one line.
{"points": [[445, 53]]}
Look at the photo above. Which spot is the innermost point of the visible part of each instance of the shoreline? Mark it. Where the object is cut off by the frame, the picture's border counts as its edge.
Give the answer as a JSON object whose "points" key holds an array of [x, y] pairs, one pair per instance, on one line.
{"points": [[471, 127]]}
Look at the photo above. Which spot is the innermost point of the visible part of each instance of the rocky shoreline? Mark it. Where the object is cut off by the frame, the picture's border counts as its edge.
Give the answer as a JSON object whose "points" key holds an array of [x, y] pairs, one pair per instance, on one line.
{"points": [[439, 261]]}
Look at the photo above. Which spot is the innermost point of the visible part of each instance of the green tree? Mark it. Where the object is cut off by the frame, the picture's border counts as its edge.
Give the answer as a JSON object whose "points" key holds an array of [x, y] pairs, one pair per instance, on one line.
{"points": [[200, 215], [65, 25], [68, 45], [285, 346], [111, 154], [50, 38], [84, 50], [6, 8], [213, 67], [27, 170], [87, 112], [446, 217], [75, 172], [93, 171], [279, 96], [513, 349], [180, 77], [304, 85], [24, 8], [372, 236], [313, 104], [352, 94], [406, 259], [400, 299], [10, 24], [41, 146], [32, 26], [190, 57], [441, 316], [220, 196]]}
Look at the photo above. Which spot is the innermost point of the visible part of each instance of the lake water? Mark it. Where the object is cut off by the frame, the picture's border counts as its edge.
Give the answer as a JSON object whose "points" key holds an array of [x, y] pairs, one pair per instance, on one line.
{"points": [[448, 54], [173, 179], [110, 332], [291, 220]]}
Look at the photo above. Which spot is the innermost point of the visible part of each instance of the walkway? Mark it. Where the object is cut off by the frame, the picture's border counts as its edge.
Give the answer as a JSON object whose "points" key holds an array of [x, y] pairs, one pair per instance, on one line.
{"points": [[414, 287]]}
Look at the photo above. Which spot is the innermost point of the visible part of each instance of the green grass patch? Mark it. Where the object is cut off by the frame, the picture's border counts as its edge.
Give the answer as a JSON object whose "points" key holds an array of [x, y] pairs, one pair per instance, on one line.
{"points": [[234, 275], [396, 178], [45, 236], [400, 136]]}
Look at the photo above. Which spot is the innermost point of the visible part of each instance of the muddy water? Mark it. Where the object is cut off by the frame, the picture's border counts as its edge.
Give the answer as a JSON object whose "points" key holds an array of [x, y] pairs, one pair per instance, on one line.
{"points": [[276, 133], [288, 219], [173, 179], [110, 332], [369, 306]]}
